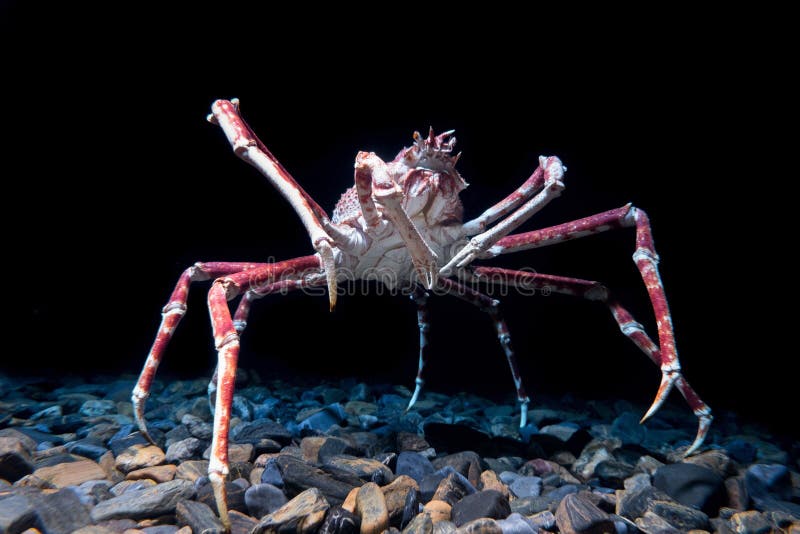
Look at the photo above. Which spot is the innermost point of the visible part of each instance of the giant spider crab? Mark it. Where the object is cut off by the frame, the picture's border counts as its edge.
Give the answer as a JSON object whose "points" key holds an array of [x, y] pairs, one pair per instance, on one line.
{"points": [[403, 219]]}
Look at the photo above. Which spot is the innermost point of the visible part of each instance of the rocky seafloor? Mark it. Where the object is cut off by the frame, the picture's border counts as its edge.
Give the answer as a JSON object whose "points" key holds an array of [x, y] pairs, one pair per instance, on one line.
{"points": [[347, 457]]}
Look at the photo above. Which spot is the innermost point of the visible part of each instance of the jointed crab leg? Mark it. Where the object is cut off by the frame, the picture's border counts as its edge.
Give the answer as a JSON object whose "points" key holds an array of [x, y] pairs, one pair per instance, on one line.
{"points": [[646, 261], [249, 147], [420, 298], [530, 187], [492, 307], [553, 185], [170, 317], [261, 281]]}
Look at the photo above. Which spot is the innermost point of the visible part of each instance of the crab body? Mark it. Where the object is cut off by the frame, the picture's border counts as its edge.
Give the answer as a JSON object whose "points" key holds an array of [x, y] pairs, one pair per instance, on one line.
{"points": [[401, 223]]}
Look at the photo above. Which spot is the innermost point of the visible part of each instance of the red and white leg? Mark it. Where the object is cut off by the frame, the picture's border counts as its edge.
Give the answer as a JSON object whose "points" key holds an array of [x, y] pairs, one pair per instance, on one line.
{"points": [[239, 323], [171, 315], [548, 177], [249, 148], [646, 260], [283, 276]]}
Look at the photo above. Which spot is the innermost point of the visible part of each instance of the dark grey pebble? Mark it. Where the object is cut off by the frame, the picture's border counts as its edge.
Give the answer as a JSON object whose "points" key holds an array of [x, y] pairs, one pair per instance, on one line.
{"points": [[526, 487], [576, 513], [198, 517], [684, 518], [691, 485], [413, 464], [263, 499], [487, 503], [148, 502], [90, 447]]}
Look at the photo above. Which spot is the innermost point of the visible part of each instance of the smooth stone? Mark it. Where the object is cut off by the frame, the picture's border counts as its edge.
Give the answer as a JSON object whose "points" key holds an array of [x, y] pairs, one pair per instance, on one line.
{"points": [[149, 502], [487, 503], [444, 527], [765, 481], [634, 503], [413, 464], [336, 446], [592, 454], [421, 524], [138, 456], [371, 508], [738, 499], [541, 468], [517, 524], [453, 488], [324, 419], [299, 476], [17, 513], [27, 442], [340, 521], [263, 499], [612, 473], [576, 514], [259, 431], [650, 523], [303, 514], [131, 485], [438, 510], [716, 460], [647, 464], [15, 459], [562, 431], [691, 485], [544, 520], [467, 463], [483, 525], [490, 480], [363, 468], [90, 447], [70, 473], [197, 427], [183, 449], [235, 495], [60, 513], [742, 451], [357, 408], [751, 522], [96, 408], [198, 517], [159, 473], [533, 505], [309, 447], [192, 470], [272, 474], [412, 442], [682, 517], [637, 481], [396, 495], [526, 487], [127, 436]]}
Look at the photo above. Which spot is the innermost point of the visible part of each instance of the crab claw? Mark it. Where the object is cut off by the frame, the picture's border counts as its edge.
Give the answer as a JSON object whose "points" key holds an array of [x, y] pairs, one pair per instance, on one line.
{"points": [[415, 396], [523, 416], [329, 264]]}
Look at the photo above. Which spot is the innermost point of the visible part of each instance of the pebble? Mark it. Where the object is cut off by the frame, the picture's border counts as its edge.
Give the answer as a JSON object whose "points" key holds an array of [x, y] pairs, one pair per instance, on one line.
{"points": [[303, 514], [576, 514], [371, 508], [75, 450]]}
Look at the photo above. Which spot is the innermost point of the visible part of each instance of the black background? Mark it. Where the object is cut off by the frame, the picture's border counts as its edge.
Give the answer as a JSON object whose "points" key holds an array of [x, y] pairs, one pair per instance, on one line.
{"points": [[114, 183]]}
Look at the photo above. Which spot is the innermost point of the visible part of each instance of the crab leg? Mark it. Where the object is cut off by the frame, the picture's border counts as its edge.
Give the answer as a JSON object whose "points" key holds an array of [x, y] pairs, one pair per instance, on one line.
{"points": [[420, 298], [262, 281], [530, 187], [646, 260], [249, 147], [553, 173], [372, 169], [492, 307], [171, 315]]}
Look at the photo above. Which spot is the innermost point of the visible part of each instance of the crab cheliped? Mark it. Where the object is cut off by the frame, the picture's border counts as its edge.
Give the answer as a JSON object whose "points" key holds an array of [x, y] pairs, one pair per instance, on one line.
{"points": [[401, 223]]}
